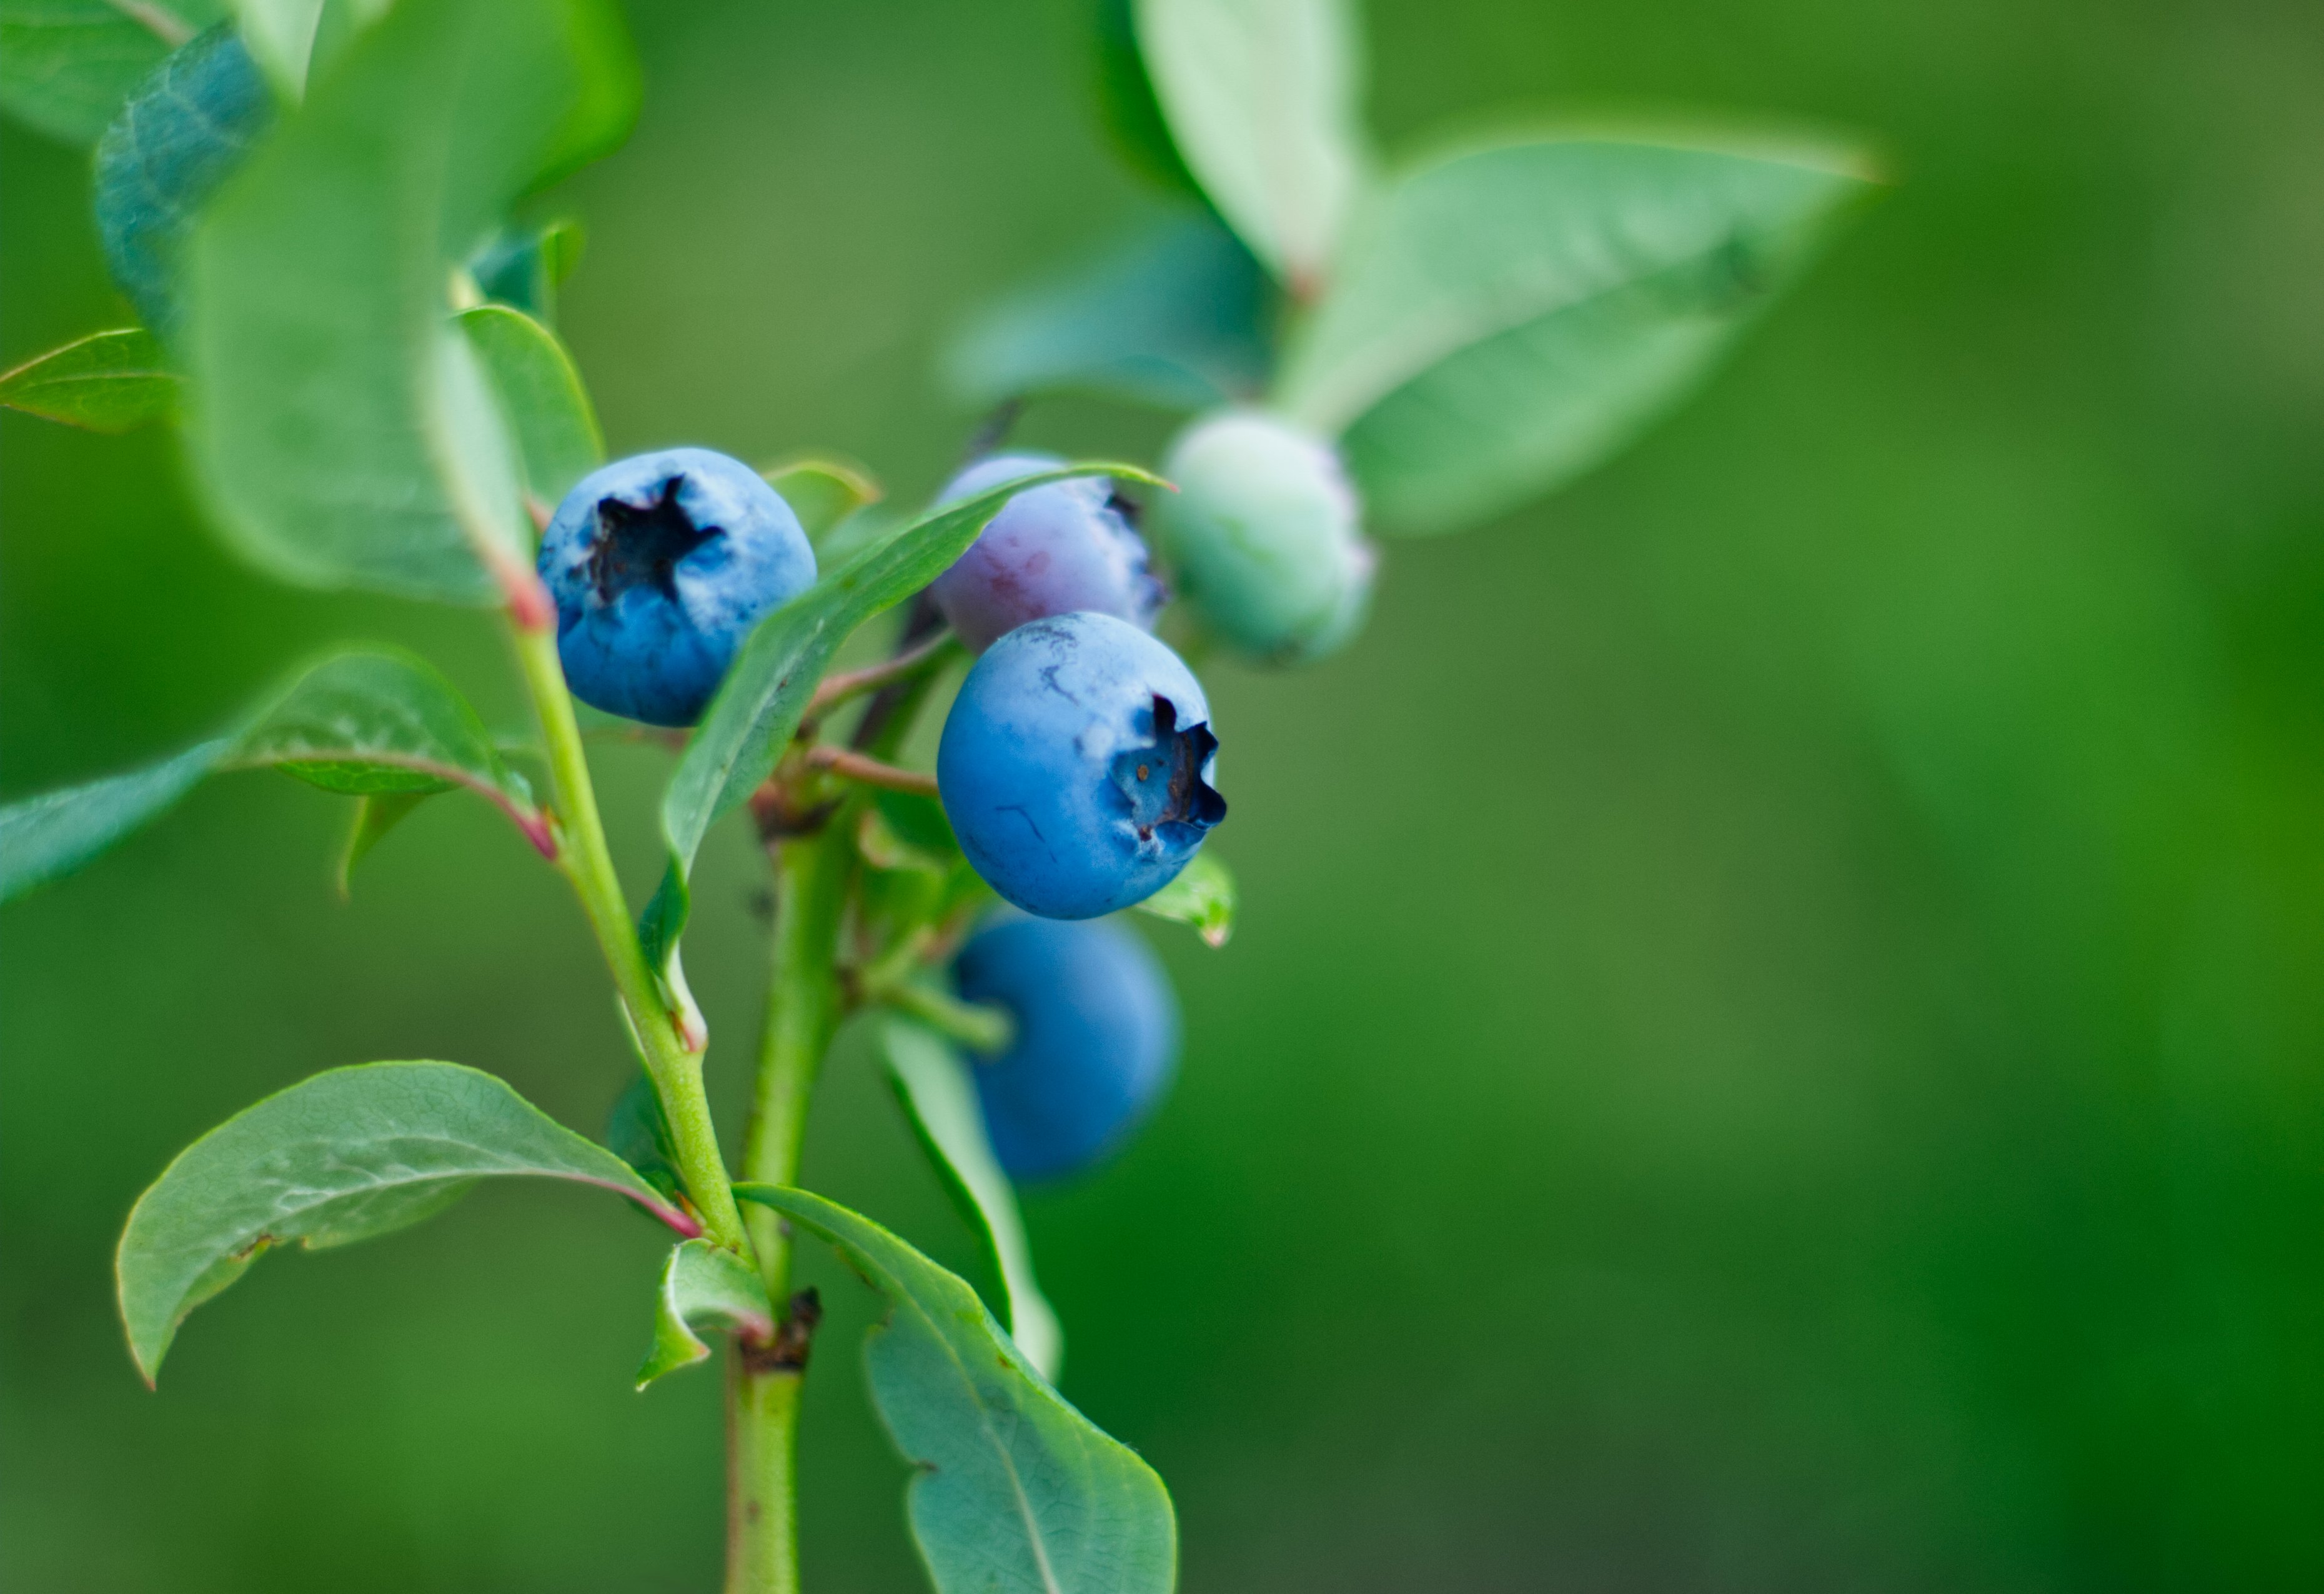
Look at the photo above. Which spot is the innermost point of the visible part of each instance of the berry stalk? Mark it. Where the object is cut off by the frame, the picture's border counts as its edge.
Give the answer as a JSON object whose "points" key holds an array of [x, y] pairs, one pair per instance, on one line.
{"points": [[978, 1027]]}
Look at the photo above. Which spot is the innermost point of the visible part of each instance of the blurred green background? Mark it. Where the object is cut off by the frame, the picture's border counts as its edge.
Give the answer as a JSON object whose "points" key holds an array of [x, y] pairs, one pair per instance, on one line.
{"points": [[1777, 1037]]}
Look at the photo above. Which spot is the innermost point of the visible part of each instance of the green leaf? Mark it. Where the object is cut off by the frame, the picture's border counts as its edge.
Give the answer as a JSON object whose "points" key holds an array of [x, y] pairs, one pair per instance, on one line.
{"points": [[1175, 318], [822, 491], [281, 38], [365, 722], [1203, 896], [1507, 316], [702, 1285], [294, 40], [186, 129], [940, 1100], [1261, 96], [541, 399], [1127, 104], [914, 874], [346, 1155], [637, 1131], [377, 814], [523, 267], [66, 66], [766, 691], [343, 430], [1016, 1492], [912, 832], [383, 721], [104, 382], [609, 89], [45, 838]]}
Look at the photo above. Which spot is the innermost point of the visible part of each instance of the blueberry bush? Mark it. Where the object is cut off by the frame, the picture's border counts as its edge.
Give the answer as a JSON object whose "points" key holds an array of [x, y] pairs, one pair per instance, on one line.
{"points": [[327, 216]]}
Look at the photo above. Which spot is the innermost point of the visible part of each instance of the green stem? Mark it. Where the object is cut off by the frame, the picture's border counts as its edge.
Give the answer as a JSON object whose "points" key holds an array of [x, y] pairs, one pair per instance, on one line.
{"points": [[976, 1025], [582, 854], [802, 1011], [812, 877], [762, 1477]]}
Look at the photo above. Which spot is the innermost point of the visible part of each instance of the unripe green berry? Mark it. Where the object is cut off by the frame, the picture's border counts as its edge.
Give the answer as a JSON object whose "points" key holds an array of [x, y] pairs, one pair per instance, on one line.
{"points": [[1261, 536]]}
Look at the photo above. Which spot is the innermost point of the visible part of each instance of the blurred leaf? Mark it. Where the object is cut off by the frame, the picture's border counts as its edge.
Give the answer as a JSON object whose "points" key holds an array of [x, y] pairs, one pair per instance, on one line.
{"points": [[343, 430], [1016, 1492], [346, 1155], [1126, 101], [104, 382], [45, 838], [702, 1285], [523, 267], [609, 89], [637, 1131], [66, 66], [542, 398], [280, 37], [822, 491], [940, 1100], [377, 814], [918, 821], [1261, 97], [181, 134], [901, 887], [293, 40], [478, 457], [868, 527], [1507, 316], [915, 874], [766, 691], [879, 844], [364, 723], [1175, 318], [1203, 896]]}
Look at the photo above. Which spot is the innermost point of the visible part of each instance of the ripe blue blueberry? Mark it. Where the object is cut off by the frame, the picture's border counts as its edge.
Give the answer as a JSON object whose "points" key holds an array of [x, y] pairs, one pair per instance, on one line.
{"points": [[659, 565], [1057, 550], [1075, 766], [1096, 1041], [1262, 537]]}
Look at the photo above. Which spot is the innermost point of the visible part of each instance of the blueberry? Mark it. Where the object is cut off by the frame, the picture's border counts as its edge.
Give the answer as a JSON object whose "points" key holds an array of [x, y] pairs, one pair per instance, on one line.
{"points": [[660, 564], [1262, 537], [1096, 1043], [1056, 549], [1075, 766]]}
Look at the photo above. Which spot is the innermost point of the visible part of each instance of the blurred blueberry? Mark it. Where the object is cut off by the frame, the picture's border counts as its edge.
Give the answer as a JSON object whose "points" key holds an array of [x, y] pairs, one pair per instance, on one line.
{"points": [[1096, 1041], [1262, 537], [1075, 766], [660, 565], [1056, 549]]}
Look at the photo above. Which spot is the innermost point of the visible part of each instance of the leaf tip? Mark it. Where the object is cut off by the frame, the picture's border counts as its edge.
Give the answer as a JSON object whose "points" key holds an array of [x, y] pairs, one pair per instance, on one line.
{"points": [[145, 1358], [662, 1361]]}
